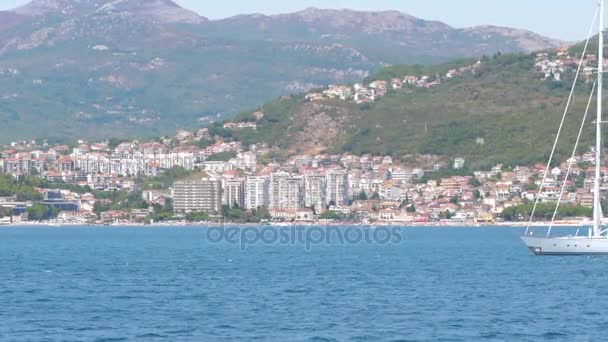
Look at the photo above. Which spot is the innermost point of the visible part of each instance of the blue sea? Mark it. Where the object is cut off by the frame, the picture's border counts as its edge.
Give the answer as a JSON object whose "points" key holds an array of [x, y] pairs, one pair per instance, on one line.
{"points": [[177, 284]]}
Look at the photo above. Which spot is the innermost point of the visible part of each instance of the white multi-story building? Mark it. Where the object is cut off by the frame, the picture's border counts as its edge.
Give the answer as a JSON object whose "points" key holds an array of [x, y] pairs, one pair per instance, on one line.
{"points": [[292, 194], [286, 192], [217, 166], [257, 192], [401, 175], [132, 163], [337, 188], [314, 192], [204, 195], [233, 192], [276, 180], [459, 163], [246, 161]]}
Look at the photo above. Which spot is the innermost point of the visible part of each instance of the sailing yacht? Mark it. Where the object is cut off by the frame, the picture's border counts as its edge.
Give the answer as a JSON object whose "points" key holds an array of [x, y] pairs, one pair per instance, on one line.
{"points": [[595, 241]]}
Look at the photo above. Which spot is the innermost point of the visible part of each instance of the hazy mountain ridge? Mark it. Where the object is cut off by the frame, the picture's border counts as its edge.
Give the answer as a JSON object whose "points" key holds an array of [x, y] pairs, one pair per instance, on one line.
{"points": [[162, 10], [130, 67], [396, 28]]}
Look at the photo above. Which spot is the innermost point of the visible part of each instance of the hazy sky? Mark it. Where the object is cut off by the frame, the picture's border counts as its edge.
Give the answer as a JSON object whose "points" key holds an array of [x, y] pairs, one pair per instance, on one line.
{"points": [[565, 19]]}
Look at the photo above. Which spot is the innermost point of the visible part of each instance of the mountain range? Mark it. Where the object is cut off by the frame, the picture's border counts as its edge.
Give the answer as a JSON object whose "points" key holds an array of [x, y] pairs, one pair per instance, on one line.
{"points": [[99, 68]]}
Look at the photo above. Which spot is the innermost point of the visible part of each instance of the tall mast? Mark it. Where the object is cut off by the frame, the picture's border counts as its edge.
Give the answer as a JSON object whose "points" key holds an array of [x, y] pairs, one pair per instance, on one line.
{"points": [[597, 211]]}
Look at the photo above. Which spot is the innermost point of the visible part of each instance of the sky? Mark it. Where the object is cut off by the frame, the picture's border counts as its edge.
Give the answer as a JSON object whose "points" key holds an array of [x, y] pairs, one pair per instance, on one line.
{"points": [[563, 19]]}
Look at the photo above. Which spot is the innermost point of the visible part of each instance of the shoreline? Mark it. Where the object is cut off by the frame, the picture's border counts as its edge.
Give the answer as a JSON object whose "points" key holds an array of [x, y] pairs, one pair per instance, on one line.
{"points": [[295, 224]]}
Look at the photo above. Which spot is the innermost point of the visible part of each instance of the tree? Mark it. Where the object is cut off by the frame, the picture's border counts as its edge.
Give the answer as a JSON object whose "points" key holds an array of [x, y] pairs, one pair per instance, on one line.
{"points": [[225, 209], [531, 187], [222, 156], [22, 189], [454, 200], [411, 209], [27, 193], [197, 216], [114, 142], [362, 196], [544, 211], [446, 215], [39, 212], [217, 129], [164, 180], [579, 182], [473, 181], [4, 212], [330, 215], [203, 143], [232, 214], [98, 208], [163, 213]]}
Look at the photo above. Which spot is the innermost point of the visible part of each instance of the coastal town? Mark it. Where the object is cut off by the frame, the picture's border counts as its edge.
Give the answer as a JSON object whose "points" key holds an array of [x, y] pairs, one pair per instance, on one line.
{"points": [[200, 176], [196, 177]]}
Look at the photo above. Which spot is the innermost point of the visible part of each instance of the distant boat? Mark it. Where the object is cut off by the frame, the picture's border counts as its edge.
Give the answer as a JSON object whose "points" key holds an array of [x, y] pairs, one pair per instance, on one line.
{"points": [[595, 241]]}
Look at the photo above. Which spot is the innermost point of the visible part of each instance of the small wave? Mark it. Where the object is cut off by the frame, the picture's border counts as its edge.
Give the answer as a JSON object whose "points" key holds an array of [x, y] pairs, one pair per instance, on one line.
{"points": [[554, 335], [123, 297], [490, 335], [152, 335], [225, 326], [182, 331], [321, 339], [296, 291], [80, 329]]}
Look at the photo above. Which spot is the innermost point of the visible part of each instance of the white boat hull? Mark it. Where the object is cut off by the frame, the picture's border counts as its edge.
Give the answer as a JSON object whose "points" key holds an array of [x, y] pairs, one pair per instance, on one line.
{"points": [[570, 245]]}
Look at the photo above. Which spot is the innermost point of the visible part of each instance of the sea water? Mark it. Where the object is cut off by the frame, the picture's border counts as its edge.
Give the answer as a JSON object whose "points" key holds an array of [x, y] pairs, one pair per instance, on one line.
{"points": [[175, 284]]}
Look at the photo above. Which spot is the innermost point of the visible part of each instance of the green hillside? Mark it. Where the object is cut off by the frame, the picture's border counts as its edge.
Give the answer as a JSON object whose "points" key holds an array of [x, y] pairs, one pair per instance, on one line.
{"points": [[504, 112]]}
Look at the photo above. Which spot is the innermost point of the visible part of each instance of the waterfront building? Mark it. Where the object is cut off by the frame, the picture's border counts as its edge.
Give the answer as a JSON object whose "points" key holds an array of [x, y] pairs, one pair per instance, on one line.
{"points": [[55, 199], [257, 192], [202, 195], [276, 179], [337, 188], [286, 192], [233, 192], [314, 192]]}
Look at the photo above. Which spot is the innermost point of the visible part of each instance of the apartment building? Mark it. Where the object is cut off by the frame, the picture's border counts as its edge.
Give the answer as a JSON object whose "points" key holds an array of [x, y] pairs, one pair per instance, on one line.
{"points": [[257, 192], [201, 195]]}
